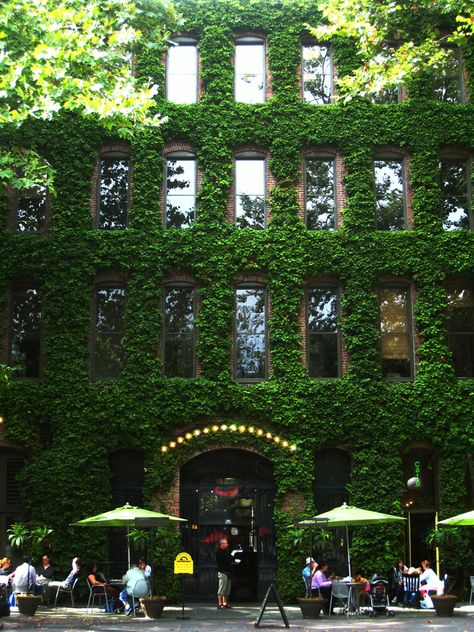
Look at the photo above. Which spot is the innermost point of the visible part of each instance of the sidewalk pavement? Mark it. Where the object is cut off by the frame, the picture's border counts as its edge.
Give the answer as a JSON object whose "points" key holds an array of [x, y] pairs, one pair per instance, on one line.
{"points": [[207, 618]]}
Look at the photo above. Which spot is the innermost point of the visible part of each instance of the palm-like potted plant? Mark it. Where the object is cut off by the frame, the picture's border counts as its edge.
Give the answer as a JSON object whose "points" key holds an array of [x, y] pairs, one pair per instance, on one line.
{"points": [[28, 541]]}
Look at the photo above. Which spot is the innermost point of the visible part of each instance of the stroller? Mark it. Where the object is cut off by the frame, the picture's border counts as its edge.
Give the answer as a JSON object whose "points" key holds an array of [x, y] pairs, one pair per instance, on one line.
{"points": [[379, 599]]}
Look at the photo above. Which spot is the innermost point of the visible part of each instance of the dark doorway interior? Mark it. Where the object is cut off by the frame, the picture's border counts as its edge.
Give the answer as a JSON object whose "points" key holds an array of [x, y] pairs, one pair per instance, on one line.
{"points": [[230, 493]]}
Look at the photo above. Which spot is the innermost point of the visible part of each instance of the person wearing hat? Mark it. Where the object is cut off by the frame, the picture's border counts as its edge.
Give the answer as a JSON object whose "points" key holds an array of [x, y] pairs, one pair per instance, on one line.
{"points": [[307, 574]]}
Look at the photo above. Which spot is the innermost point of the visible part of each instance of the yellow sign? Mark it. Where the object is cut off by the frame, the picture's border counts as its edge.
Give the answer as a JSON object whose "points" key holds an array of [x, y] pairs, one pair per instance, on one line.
{"points": [[183, 564]]}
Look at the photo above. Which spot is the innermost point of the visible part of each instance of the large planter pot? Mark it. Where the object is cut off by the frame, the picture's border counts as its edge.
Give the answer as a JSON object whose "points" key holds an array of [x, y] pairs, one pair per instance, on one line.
{"points": [[153, 606], [444, 604], [311, 606], [27, 604]]}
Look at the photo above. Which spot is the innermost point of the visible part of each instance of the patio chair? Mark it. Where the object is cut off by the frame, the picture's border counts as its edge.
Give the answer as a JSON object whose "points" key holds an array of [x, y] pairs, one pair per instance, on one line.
{"points": [[68, 589], [141, 589], [340, 595], [99, 593], [472, 589], [411, 586]]}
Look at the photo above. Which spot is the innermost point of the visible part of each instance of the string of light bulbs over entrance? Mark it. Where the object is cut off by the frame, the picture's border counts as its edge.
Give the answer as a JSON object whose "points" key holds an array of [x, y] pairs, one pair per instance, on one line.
{"points": [[215, 429]]}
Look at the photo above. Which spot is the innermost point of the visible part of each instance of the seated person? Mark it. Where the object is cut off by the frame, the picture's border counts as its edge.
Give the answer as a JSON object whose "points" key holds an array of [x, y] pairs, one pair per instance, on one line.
{"points": [[321, 584], [146, 568], [429, 584], [5, 566], [44, 574], [307, 574], [99, 586], [359, 592], [131, 579], [397, 581], [24, 577], [71, 578]]}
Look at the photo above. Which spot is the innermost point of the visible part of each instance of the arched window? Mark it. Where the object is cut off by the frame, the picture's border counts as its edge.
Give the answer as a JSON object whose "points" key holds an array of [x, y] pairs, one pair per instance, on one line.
{"points": [[179, 331], [320, 191], [25, 331], [331, 476], [460, 329], [390, 191], [251, 333], [249, 76], [108, 354], [317, 74], [250, 189], [323, 332], [180, 189], [396, 338], [182, 70], [456, 188], [11, 464], [113, 190]]}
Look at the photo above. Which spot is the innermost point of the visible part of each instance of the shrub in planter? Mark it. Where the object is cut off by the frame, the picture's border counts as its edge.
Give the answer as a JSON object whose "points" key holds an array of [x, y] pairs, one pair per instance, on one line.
{"points": [[27, 604], [311, 606], [153, 606], [444, 604]]}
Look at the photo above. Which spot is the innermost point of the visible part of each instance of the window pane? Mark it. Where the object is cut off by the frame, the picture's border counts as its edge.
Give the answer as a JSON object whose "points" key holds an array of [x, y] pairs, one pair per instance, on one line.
{"points": [[109, 355], [179, 331], [180, 193], [395, 340], [320, 194], [455, 190], [181, 86], [31, 209], [389, 194], [25, 332], [250, 193], [323, 355], [317, 82], [250, 73], [322, 310], [250, 333], [113, 193], [322, 333], [448, 84], [460, 326]]}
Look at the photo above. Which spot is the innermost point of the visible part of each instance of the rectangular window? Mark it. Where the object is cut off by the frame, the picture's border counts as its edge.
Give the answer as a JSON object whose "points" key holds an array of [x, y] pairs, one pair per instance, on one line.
{"points": [[179, 336], [395, 334], [317, 74], [460, 326], [250, 334], [250, 176], [30, 209], [182, 72], [249, 81], [109, 354], [113, 190], [390, 196], [323, 333], [320, 193], [448, 84], [25, 332], [180, 192], [457, 194]]}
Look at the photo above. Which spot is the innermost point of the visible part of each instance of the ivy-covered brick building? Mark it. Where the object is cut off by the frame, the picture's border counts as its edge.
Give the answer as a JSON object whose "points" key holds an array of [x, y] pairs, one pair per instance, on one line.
{"points": [[257, 311]]}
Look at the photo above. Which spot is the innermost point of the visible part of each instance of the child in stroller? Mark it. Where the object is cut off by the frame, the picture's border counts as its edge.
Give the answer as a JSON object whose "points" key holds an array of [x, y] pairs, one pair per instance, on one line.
{"points": [[379, 600]]}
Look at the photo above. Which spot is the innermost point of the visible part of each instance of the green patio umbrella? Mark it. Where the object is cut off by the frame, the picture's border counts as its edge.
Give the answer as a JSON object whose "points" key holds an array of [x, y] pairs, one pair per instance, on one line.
{"points": [[129, 516], [463, 520], [347, 516]]}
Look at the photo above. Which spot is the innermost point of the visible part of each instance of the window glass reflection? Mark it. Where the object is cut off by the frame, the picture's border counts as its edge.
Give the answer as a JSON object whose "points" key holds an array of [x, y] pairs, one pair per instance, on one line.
{"points": [[322, 332], [179, 331], [114, 178], [30, 209], [180, 192], [181, 75], [448, 81], [109, 354], [317, 74], [250, 193], [250, 333], [320, 194], [456, 189], [25, 332], [250, 72], [389, 194], [395, 334], [460, 330]]}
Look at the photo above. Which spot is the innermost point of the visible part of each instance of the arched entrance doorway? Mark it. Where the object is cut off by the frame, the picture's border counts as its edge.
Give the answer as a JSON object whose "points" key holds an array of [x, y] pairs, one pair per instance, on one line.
{"points": [[229, 492]]}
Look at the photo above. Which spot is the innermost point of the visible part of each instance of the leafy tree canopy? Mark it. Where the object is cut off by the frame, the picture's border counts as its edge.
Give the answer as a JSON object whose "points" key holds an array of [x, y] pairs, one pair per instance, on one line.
{"points": [[74, 55], [395, 39]]}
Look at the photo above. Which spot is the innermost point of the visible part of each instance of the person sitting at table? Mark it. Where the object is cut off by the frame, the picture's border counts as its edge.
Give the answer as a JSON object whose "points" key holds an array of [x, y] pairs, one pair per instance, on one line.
{"points": [[94, 579], [131, 579], [24, 577], [397, 581], [358, 596], [44, 575], [71, 578], [307, 574], [321, 584], [145, 567], [429, 584], [5, 566]]}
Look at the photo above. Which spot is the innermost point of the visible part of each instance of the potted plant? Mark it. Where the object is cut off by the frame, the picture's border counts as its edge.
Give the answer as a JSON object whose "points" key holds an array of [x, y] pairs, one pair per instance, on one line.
{"points": [[311, 606], [444, 604], [28, 541]]}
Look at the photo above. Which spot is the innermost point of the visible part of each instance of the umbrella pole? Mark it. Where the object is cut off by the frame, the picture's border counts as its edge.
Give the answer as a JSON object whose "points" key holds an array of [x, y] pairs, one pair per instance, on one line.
{"points": [[348, 552], [128, 546]]}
